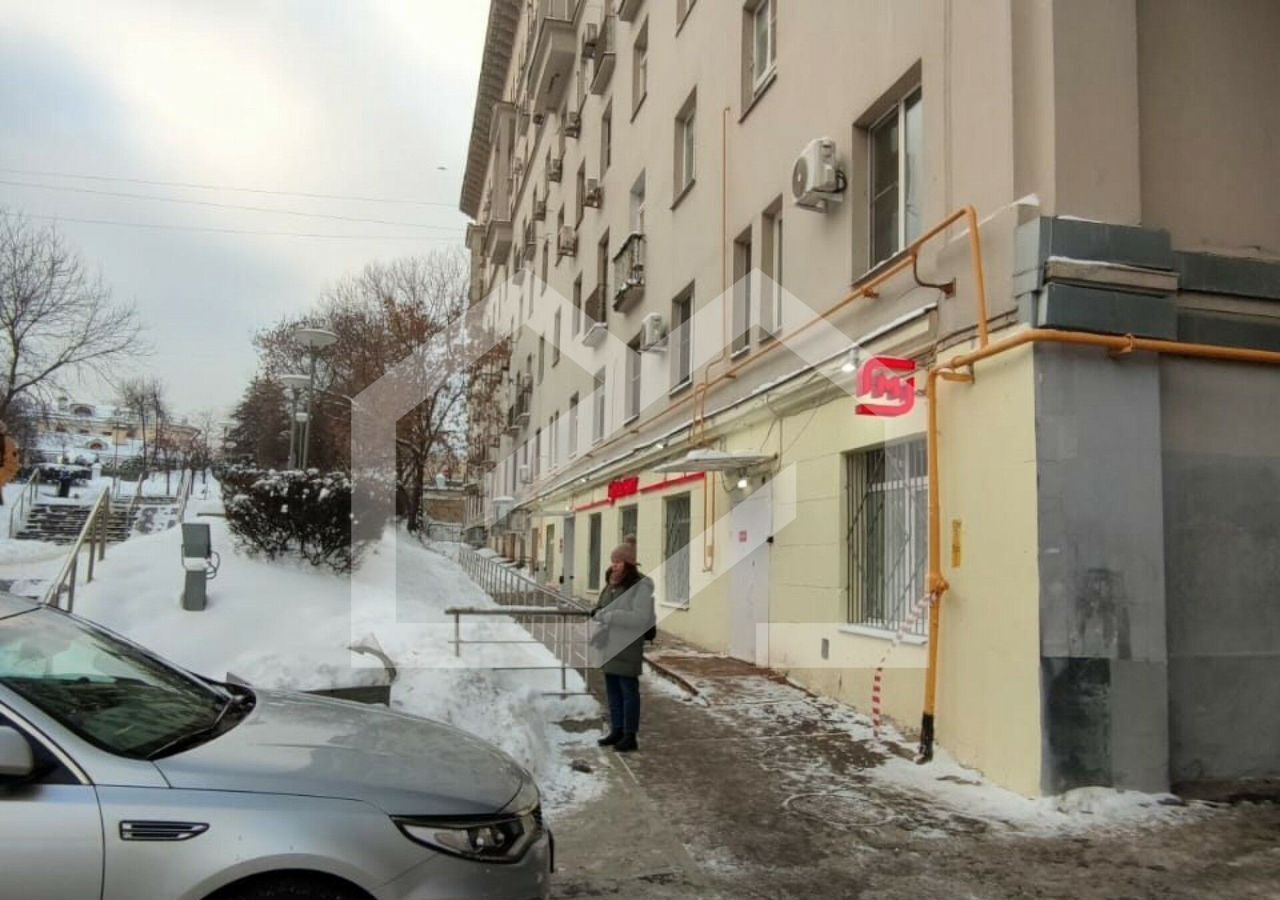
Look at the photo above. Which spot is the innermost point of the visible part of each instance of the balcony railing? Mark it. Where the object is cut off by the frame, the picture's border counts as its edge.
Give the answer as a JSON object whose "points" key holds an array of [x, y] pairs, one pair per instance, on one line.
{"points": [[628, 272]]}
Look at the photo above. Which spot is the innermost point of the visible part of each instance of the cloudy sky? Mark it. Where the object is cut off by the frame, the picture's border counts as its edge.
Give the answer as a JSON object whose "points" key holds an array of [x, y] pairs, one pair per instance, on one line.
{"points": [[350, 98]]}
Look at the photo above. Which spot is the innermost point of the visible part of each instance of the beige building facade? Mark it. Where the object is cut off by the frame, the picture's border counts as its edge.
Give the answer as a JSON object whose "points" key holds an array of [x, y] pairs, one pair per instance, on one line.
{"points": [[692, 313]]}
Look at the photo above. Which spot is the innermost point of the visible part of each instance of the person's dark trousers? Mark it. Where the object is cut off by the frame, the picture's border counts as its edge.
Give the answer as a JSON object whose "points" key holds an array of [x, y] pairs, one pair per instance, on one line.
{"points": [[624, 703]]}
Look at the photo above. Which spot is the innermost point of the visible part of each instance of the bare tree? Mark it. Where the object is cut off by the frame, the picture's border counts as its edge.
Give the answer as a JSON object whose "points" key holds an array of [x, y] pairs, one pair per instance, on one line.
{"points": [[144, 399], [57, 318]]}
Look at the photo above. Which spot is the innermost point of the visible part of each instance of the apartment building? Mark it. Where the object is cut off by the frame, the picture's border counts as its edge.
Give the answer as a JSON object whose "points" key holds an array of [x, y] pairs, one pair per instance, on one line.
{"points": [[716, 231]]}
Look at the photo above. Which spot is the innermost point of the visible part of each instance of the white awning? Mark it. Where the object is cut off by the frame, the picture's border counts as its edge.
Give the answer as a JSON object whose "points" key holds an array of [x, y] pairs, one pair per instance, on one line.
{"points": [[704, 460]]}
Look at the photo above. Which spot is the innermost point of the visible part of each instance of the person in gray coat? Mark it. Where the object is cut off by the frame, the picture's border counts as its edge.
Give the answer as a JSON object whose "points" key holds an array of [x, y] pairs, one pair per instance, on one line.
{"points": [[624, 617]]}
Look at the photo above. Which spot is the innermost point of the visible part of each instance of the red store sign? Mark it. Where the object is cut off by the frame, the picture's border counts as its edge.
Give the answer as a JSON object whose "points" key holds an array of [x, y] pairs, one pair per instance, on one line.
{"points": [[887, 385], [624, 487]]}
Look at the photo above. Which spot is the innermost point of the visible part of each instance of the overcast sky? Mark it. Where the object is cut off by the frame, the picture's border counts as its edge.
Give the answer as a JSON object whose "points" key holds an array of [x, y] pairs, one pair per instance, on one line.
{"points": [[359, 98]]}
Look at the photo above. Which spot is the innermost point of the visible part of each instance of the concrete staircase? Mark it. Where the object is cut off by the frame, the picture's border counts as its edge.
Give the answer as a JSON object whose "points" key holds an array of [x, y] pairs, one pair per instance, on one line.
{"points": [[60, 523]]}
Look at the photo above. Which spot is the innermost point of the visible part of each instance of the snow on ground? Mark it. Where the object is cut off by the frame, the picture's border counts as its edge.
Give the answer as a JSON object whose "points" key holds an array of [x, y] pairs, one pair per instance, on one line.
{"points": [[287, 625]]}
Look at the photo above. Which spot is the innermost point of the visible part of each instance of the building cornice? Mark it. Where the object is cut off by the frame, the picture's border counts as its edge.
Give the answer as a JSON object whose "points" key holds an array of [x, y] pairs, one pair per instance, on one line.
{"points": [[504, 16]]}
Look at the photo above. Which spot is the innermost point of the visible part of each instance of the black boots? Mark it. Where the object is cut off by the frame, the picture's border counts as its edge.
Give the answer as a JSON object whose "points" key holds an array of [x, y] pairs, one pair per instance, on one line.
{"points": [[627, 744], [610, 739]]}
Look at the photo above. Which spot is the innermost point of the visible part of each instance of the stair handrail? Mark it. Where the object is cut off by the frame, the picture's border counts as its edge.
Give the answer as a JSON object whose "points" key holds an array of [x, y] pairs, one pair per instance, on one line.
{"points": [[184, 493], [94, 531], [22, 505]]}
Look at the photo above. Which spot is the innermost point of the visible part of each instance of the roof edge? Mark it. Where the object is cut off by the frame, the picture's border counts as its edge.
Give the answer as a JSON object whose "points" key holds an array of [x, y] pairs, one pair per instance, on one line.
{"points": [[498, 42]]}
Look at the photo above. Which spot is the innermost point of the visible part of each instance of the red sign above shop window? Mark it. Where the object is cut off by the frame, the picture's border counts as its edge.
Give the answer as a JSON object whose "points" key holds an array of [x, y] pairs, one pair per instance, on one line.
{"points": [[624, 487], [886, 386]]}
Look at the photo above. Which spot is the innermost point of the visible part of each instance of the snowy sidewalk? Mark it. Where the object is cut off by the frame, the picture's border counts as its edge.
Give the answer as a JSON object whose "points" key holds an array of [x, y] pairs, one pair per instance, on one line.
{"points": [[758, 789]]}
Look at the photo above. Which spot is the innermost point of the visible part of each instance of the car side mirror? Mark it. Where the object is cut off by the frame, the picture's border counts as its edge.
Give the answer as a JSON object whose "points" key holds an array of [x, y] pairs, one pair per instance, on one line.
{"points": [[16, 761]]}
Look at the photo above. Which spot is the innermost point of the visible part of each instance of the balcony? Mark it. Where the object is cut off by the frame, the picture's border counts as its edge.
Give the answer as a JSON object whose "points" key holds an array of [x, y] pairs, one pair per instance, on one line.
{"points": [[628, 273], [604, 55], [497, 238], [629, 9], [595, 328], [553, 54]]}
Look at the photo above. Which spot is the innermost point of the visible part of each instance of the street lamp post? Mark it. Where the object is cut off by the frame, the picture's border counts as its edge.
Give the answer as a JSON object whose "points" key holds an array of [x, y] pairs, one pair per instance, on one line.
{"points": [[294, 385], [315, 340]]}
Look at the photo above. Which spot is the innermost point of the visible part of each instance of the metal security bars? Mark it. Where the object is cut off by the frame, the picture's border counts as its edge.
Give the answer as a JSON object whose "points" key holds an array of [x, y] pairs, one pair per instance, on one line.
{"points": [[675, 549], [888, 534]]}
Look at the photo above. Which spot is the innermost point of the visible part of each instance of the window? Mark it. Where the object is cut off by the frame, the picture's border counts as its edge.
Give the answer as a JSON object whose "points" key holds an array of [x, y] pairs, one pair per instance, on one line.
{"points": [[537, 452], [602, 272], [573, 426], [555, 339], [637, 205], [682, 10], [628, 522], [582, 192], [542, 356], [598, 406], [633, 380], [546, 255], [771, 262], [606, 139], [559, 229], [762, 31], [675, 549], [577, 305], [640, 68], [897, 145], [595, 538], [682, 339], [553, 439], [686, 144], [888, 533], [742, 278]]}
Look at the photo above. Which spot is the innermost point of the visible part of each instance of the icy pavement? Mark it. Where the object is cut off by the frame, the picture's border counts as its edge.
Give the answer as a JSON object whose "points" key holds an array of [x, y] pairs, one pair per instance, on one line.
{"points": [[756, 788]]}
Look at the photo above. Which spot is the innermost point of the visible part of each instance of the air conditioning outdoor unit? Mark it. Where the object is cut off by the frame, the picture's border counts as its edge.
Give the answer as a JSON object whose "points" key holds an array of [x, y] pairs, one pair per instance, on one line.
{"points": [[526, 475], [567, 241], [815, 177], [572, 124], [653, 332], [594, 194]]}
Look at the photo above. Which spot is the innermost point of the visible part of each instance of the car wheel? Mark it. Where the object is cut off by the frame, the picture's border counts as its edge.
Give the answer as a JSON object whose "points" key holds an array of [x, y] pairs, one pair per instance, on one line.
{"points": [[291, 887]]}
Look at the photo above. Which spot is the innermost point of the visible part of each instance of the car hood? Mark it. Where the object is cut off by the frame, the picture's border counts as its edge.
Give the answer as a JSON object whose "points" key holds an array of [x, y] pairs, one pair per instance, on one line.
{"points": [[314, 746]]}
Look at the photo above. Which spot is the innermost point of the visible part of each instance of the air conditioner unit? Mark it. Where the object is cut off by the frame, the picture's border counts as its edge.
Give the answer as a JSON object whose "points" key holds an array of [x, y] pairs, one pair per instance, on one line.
{"points": [[526, 475], [594, 194], [815, 177], [653, 332], [572, 124], [567, 241]]}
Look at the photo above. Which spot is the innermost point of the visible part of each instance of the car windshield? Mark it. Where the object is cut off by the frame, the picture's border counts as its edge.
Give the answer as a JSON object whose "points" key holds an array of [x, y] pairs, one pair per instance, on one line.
{"points": [[107, 691]]}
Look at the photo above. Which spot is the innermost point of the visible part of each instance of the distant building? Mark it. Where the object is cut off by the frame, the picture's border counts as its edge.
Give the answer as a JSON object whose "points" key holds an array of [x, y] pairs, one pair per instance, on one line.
{"points": [[89, 432]]}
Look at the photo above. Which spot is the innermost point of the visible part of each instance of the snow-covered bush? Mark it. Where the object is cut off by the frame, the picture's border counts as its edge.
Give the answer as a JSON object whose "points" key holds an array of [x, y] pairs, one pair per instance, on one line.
{"points": [[277, 513]]}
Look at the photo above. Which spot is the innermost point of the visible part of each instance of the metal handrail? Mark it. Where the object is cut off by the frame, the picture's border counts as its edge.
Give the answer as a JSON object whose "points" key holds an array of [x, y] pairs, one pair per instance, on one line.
{"points": [[94, 531], [556, 620], [184, 493], [22, 506]]}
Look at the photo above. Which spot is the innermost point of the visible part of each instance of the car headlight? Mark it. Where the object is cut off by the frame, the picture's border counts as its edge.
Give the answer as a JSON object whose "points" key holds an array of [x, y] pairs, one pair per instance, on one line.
{"points": [[495, 839]]}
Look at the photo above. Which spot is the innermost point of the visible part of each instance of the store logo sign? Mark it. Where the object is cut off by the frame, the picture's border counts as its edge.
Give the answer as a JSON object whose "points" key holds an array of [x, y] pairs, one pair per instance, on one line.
{"points": [[886, 386]]}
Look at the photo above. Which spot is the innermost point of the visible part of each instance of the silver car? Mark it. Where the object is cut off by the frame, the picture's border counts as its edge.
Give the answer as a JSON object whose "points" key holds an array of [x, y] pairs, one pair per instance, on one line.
{"points": [[125, 777]]}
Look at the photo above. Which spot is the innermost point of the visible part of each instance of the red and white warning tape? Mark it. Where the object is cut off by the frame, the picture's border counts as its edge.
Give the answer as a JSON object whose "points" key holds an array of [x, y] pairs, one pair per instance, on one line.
{"points": [[917, 610]]}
